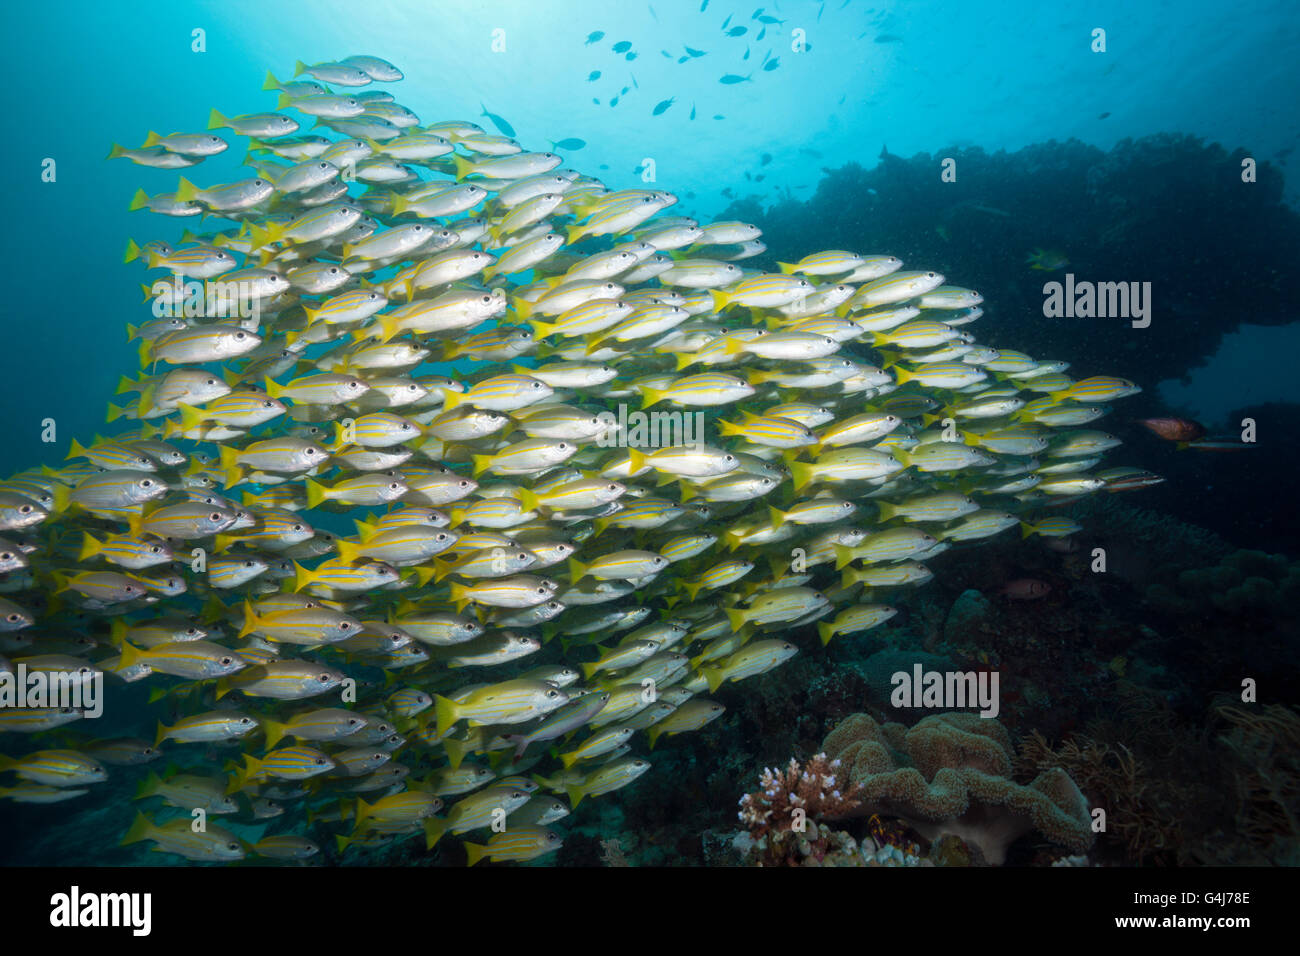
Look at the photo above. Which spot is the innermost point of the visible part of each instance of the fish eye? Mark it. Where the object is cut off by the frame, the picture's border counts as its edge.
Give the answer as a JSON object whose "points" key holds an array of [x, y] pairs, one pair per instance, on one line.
{"points": [[227, 660], [323, 678], [309, 452], [24, 509], [215, 516], [14, 618], [246, 720]]}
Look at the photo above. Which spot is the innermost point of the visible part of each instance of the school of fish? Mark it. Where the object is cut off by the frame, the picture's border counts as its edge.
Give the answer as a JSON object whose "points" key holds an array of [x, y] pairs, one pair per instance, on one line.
{"points": [[374, 601]]}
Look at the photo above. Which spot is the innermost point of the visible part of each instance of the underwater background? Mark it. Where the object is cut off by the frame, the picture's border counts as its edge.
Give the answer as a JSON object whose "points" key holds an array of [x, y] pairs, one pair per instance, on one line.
{"points": [[1122, 165]]}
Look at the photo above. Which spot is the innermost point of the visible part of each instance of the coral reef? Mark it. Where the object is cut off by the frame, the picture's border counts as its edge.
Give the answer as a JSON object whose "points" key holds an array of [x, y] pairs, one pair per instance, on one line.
{"points": [[1147, 826], [611, 853], [1265, 742], [950, 774], [968, 617], [781, 815], [1244, 583], [1178, 791], [1145, 200]]}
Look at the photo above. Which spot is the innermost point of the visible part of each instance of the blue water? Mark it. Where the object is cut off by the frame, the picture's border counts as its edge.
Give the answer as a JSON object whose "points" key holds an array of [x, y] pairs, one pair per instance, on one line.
{"points": [[999, 75]]}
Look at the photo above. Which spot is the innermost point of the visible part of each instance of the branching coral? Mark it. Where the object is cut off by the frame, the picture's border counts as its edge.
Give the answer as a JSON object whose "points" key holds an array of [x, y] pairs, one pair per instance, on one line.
{"points": [[1266, 742], [787, 798], [1168, 786], [1136, 815], [781, 815], [611, 853]]}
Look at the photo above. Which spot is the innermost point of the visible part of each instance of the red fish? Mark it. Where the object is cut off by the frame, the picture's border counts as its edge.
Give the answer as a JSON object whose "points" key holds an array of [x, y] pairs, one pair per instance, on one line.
{"points": [[1174, 429], [1025, 589]]}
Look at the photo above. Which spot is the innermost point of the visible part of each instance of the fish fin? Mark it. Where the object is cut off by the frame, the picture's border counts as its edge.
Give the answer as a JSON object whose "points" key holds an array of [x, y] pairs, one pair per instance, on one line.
{"points": [[651, 396], [230, 469], [445, 711], [186, 191], [316, 493], [802, 473], [130, 654], [251, 620], [139, 830], [349, 551], [462, 165], [434, 829], [714, 675], [363, 811], [191, 417], [89, 548], [302, 577]]}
